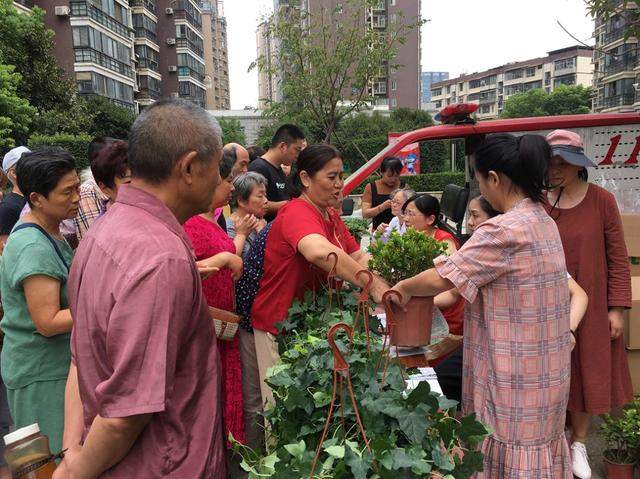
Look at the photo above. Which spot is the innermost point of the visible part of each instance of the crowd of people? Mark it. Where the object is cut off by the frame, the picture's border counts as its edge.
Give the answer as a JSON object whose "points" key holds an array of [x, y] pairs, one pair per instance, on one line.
{"points": [[108, 286]]}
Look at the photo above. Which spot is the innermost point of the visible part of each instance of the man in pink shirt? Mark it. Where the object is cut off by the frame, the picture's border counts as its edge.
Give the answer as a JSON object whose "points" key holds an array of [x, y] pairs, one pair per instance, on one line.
{"points": [[143, 394]]}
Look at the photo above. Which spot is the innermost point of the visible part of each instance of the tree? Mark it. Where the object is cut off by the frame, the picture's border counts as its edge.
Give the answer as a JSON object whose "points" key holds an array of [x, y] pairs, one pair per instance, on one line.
{"points": [[327, 58], [563, 100], [232, 131], [109, 119], [606, 9], [26, 43], [15, 112]]}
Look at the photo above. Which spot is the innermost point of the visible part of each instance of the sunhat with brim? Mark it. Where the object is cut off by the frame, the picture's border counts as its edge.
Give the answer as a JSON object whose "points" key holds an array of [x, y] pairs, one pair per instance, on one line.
{"points": [[568, 146]]}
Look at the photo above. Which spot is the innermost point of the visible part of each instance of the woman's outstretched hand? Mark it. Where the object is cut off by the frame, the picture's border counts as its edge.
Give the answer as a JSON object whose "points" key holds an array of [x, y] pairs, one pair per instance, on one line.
{"points": [[402, 298]]}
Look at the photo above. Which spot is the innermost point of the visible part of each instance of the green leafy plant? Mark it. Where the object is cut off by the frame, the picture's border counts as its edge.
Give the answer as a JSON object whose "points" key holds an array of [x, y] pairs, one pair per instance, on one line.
{"points": [[411, 434], [622, 435], [358, 227], [404, 256]]}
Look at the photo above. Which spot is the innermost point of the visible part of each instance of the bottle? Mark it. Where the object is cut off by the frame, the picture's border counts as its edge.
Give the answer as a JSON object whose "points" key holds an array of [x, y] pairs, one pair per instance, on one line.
{"points": [[28, 454]]}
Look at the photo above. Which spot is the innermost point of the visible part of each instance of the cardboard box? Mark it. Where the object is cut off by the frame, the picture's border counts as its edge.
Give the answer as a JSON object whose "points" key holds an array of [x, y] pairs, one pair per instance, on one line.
{"points": [[632, 317], [634, 366], [631, 227]]}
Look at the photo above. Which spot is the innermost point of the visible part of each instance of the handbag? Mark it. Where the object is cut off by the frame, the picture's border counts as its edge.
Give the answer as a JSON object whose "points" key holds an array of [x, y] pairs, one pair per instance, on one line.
{"points": [[225, 322]]}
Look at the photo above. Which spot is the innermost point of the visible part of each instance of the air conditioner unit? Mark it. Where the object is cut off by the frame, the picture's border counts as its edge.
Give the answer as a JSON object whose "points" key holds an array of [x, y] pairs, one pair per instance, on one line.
{"points": [[172, 68], [168, 11], [62, 11], [171, 41]]}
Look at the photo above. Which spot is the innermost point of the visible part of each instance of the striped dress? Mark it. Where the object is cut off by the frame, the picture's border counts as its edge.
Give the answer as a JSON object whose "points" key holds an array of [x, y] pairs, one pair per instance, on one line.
{"points": [[516, 370]]}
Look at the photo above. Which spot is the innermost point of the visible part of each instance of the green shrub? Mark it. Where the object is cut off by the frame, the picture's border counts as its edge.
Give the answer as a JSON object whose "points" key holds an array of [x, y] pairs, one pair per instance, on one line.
{"points": [[77, 145], [358, 227], [424, 182]]}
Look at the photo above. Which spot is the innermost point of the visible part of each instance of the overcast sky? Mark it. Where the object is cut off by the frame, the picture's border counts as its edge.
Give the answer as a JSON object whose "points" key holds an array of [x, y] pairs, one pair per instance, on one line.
{"points": [[462, 36]]}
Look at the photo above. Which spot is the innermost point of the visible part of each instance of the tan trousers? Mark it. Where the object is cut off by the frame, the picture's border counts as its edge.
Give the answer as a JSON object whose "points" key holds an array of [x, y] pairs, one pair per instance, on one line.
{"points": [[267, 356], [253, 424]]}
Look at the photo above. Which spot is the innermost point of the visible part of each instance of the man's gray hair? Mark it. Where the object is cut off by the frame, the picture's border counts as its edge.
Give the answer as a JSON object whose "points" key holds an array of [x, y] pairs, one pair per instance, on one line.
{"points": [[164, 132], [244, 185]]}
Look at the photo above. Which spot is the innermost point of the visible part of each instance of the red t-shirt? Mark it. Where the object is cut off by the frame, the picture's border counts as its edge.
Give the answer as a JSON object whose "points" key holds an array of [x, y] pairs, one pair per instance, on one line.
{"points": [[287, 274], [455, 314]]}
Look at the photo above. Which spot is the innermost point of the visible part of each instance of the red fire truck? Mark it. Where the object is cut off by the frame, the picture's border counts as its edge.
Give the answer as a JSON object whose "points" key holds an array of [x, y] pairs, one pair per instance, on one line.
{"points": [[610, 140]]}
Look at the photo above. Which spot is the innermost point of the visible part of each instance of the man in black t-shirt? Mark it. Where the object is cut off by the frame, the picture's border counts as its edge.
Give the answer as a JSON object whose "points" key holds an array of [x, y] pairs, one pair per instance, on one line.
{"points": [[12, 205], [285, 147]]}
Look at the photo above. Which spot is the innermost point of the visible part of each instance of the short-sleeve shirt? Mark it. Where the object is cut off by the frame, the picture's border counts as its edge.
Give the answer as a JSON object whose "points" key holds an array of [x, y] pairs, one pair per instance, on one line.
{"points": [[10, 209], [92, 205], [143, 342], [278, 188], [287, 274], [27, 356]]}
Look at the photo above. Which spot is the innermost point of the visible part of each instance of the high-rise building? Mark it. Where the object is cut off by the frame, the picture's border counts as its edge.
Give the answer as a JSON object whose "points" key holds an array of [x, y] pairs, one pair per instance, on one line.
{"points": [[220, 100], [616, 64], [427, 79], [491, 88], [138, 51], [267, 83], [395, 87]]}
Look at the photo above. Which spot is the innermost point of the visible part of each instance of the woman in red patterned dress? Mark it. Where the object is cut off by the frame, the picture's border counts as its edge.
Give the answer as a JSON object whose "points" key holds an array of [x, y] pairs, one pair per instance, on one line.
{"points": [[214, 248]]}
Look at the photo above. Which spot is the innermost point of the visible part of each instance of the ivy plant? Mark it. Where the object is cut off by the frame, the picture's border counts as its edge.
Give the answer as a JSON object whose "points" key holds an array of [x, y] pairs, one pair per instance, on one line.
{"points": [[357, 227], [622, 435], [411, 434], [403, 256]]}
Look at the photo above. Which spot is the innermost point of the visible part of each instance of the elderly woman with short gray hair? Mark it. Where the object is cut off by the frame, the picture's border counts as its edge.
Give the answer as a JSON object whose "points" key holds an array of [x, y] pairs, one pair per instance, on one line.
{"points": [[249, 205], [398, 198]]}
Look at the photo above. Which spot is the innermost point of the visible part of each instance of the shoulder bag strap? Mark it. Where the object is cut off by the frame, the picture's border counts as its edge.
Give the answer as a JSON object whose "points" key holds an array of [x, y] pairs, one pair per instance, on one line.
{"points": [[47, 235]]}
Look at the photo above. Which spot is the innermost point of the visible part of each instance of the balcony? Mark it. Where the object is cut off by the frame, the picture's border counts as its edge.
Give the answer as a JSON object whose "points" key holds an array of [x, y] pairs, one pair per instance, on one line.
{"points": [[188, 72], [25, 3], [147, 94], [149, 63], [618, 100], [141, 32], [186, 43], [85, 9], [198, 101], [611, 36], [89, 55], [380, 6], [180, 12], [148, 4], [626, 63]]}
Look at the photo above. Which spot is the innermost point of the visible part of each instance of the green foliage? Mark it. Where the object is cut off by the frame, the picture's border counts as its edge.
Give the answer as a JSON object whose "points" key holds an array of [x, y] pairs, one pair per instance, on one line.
{"points": [[26, 43], [622, 434], [606, 9], [424, 182], [358, 227], [327, 56], [15, 112], [109, 119], [404, 256], [563, 100], [232, 131], [411, 434], [77, 145]]}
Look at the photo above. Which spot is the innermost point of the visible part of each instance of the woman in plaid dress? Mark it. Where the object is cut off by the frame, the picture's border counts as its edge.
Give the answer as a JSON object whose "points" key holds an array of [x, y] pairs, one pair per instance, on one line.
{"points": [[517, 338]]}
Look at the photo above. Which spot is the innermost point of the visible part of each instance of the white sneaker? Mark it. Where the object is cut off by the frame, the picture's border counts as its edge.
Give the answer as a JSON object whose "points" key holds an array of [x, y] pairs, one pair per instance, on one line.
{"points": [[580, 461]]}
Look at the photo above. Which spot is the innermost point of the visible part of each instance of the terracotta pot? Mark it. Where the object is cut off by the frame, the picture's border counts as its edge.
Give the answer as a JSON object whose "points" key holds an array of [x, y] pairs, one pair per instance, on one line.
{"points": [[618, 471], [410, 328]]}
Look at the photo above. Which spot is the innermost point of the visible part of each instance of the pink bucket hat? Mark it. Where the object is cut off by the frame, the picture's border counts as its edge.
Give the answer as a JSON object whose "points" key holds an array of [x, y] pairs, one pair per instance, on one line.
{"points": [[568, 145]]}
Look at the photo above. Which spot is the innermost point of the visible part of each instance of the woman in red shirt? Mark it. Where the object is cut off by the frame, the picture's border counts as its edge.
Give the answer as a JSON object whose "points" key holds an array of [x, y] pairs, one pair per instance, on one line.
{"points": [[422, 213], [303, 234]]}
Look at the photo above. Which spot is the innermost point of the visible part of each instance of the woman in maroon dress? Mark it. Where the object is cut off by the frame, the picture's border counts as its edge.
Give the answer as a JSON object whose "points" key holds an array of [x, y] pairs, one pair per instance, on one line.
{"points": [[215, 249], [591, 230]]}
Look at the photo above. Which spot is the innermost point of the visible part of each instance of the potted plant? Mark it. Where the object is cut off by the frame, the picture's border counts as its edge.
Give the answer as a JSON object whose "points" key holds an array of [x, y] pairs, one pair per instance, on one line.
{"points": [[357, 227], [622, 438], [401, 257]]}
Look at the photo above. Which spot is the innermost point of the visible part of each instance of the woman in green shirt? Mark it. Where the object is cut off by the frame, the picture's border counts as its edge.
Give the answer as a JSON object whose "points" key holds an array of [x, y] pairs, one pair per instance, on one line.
{"points": [[33, 275]]}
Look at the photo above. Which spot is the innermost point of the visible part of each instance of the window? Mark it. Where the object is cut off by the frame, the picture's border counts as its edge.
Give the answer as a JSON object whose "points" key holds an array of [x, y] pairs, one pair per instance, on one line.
{"points": [[485, 81], [436, 92], [484, 109], [564, 80], [394, 102], [108, 87], [88, 37], [460, 86], [147, 57], [547, 78], [513, 89], [146, 82], [394, 85], [565, 63], [532, 85], [379, 21], [438, 104], [530, 72], [513, 74]]}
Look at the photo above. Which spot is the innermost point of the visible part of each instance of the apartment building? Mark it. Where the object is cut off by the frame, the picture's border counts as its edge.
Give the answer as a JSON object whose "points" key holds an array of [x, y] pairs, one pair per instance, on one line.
{"points": [[132, 52], [218, 97], [395, 87], [616, 64], [267, 83], [491, 88], [426, 80]]}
